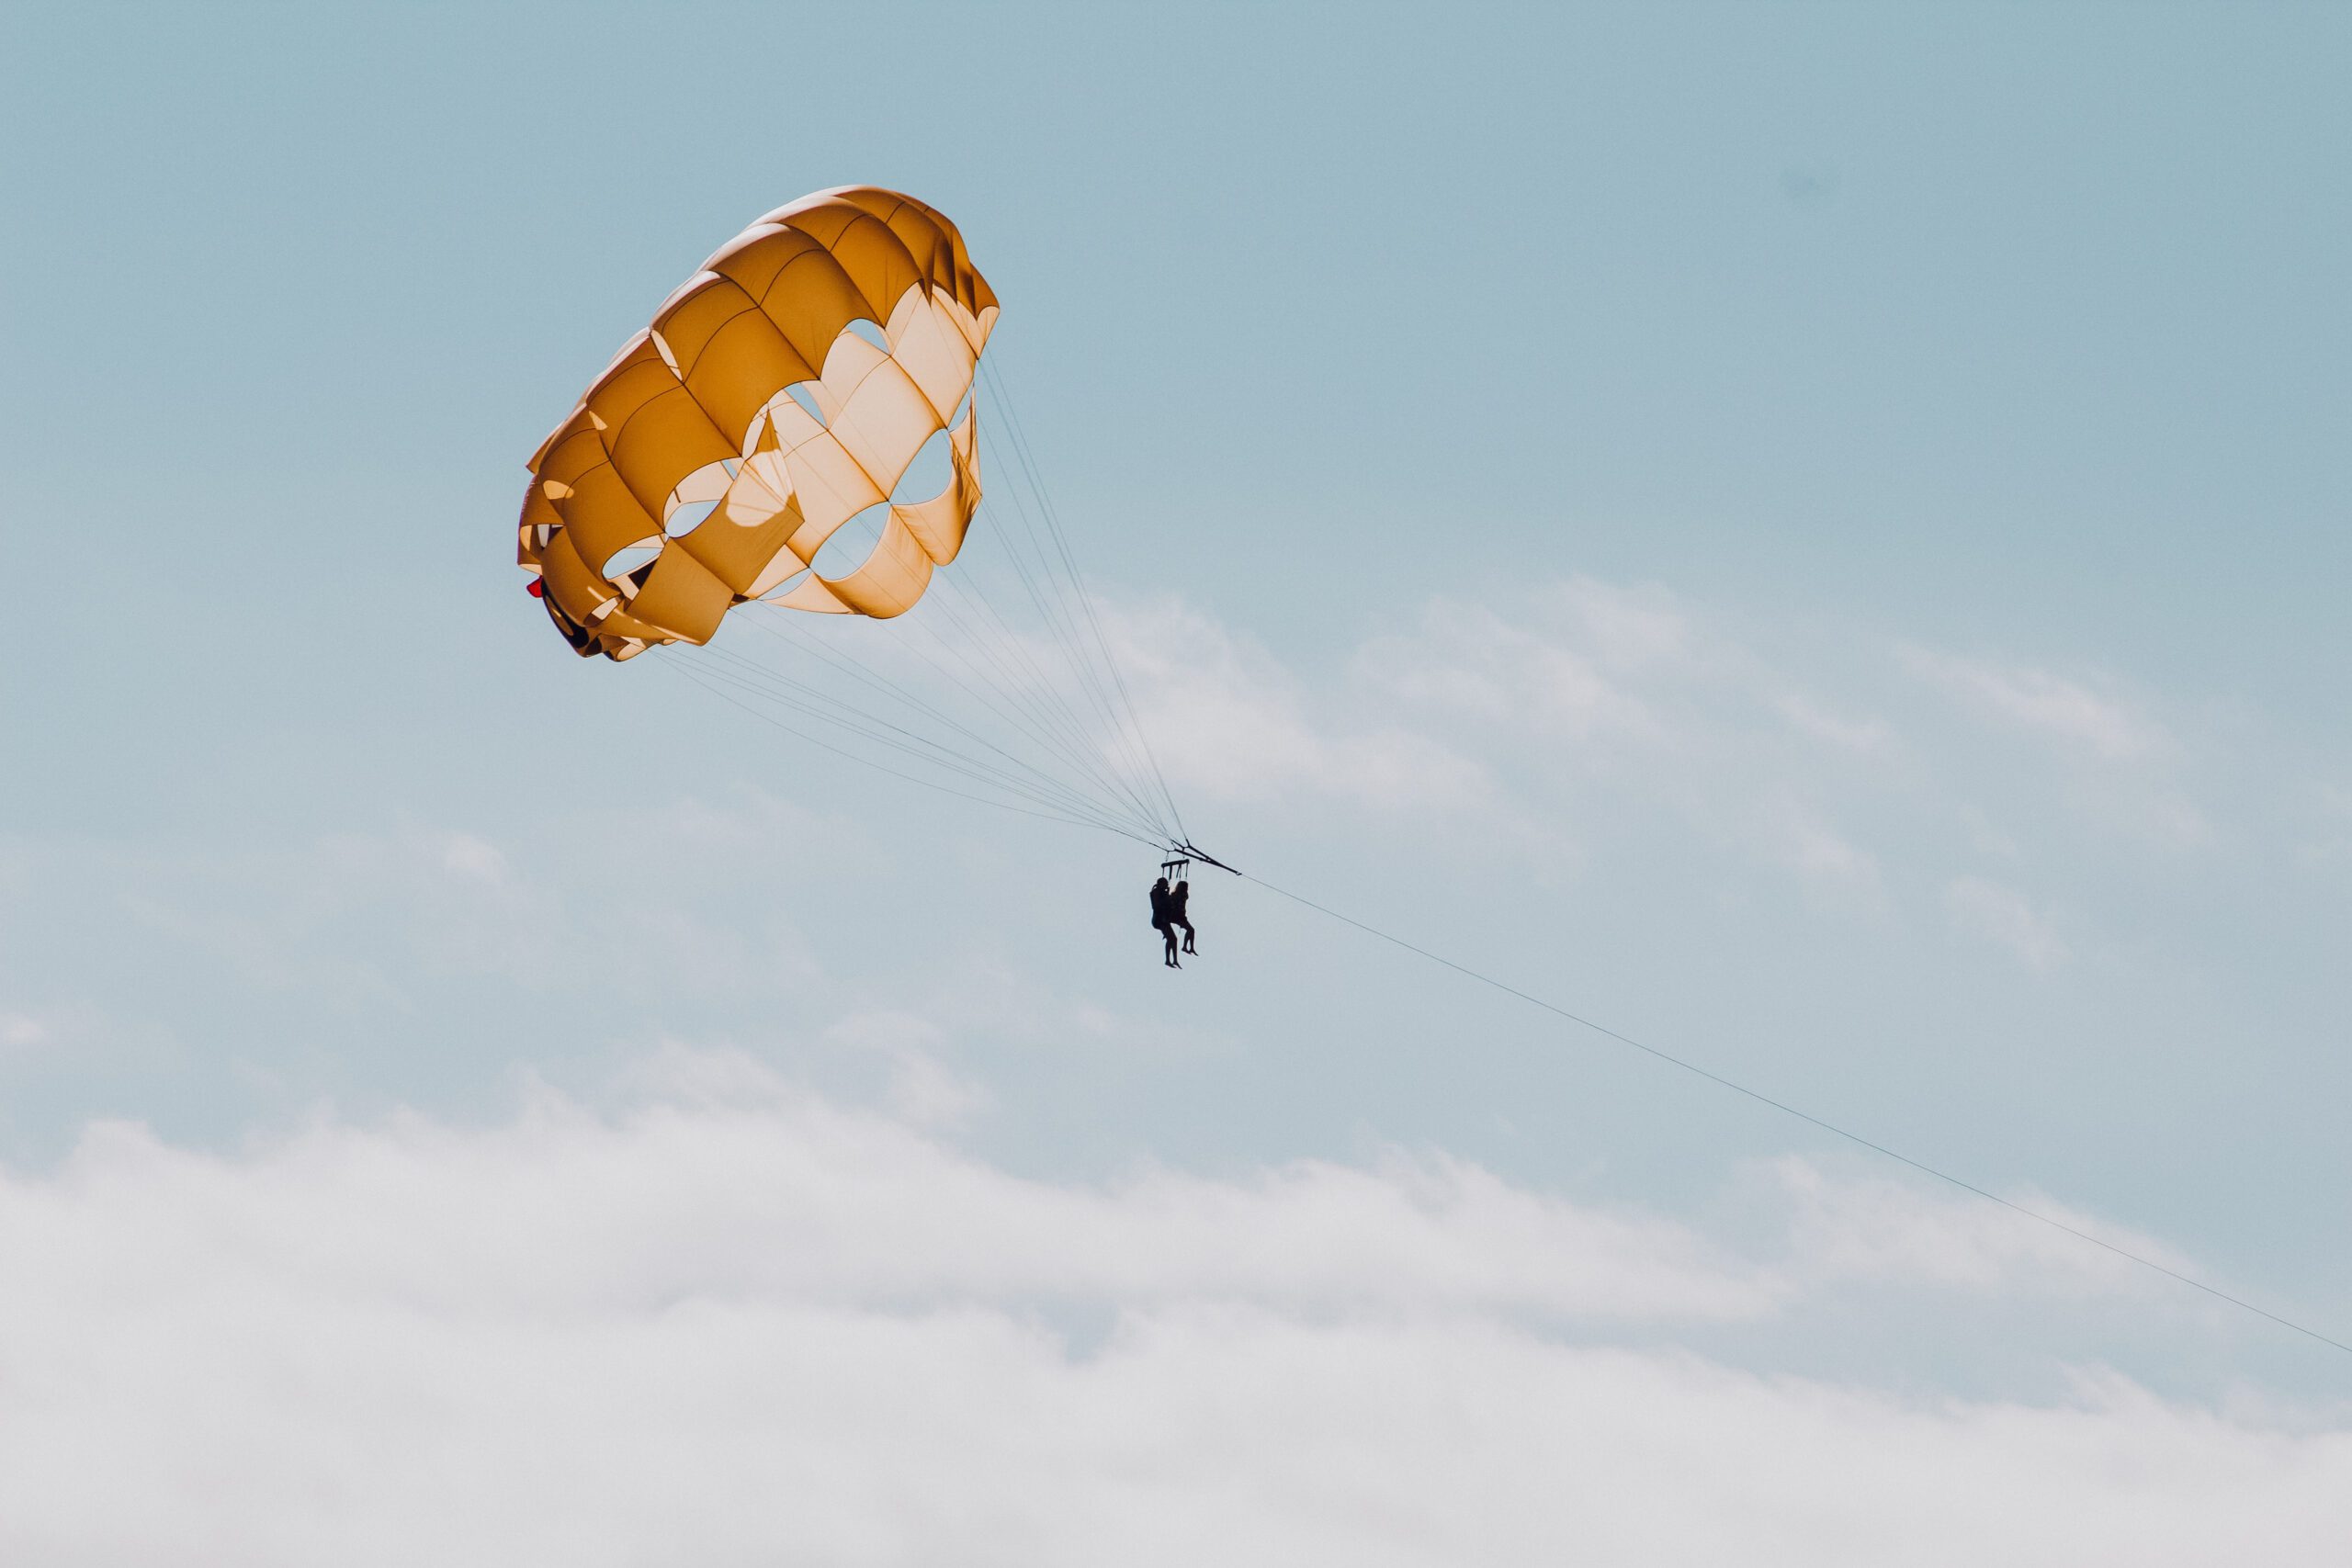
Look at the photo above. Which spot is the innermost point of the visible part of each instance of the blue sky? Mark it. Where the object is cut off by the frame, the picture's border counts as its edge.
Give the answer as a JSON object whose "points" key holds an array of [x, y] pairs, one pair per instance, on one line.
{"points": [[1812, 535]]}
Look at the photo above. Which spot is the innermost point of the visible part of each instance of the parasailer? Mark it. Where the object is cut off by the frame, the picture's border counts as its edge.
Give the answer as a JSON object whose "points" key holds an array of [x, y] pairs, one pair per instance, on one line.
{"points": [[1178, 897], [1163, 920], [797, 430]]}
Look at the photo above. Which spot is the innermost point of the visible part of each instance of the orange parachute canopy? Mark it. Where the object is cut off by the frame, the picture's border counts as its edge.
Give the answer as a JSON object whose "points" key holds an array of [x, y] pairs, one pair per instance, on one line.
{"points": [[754, 419]]}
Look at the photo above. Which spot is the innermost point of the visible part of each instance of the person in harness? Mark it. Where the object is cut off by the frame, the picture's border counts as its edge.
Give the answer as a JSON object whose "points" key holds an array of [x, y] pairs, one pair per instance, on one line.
{"points": [[1163, 919], [1177, 898]]}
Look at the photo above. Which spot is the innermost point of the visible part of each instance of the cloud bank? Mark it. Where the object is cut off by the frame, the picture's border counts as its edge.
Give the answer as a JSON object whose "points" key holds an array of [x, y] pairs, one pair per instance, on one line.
{"points": [[732, 1321]]}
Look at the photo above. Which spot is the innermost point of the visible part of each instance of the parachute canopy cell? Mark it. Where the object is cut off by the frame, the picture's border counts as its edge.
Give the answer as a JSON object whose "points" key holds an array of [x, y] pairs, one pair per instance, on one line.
{"points": [[751, 420]]}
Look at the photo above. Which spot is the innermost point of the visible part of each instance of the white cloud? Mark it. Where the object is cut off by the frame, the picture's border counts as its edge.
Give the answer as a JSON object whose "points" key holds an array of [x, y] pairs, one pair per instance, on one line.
{"points": [[1599, 703], [1427, 714], [1986, 837], [465, 854], [2121, 766], [1627, 628], [1465, 660], [368, 918], [1236, 726], [735, 1321], [2040, 702], [1557, 718], [1808, 715], [1800, 842], [2146, 809], [1510, 722], [920, 1088], [1876, 1229], [2005, 917]]}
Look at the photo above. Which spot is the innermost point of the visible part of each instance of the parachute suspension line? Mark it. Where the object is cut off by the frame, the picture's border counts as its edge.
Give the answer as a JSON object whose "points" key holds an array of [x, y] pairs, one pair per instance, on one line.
{"points": [[857, 670], [1762, 1099], [1018, 647], [1049, 807], [1109, 698], [748, 676], [1059, 809], [1119, 717], [779, 691], [1053, 612], [885, 768], [1049, 716], [1062, 736], [1019, 718], [1068, 766], [995, 377]]}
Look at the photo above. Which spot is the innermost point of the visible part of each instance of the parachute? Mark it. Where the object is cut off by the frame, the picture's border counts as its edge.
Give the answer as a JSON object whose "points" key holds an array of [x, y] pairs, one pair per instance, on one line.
{"points": [[811, 387], [692, 462]]}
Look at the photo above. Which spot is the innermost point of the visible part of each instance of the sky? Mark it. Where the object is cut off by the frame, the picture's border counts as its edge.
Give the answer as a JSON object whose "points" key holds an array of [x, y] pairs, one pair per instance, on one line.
{"points": [[1810, 536]]}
